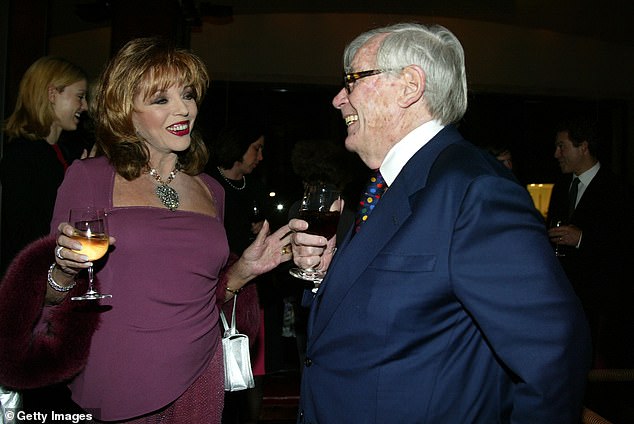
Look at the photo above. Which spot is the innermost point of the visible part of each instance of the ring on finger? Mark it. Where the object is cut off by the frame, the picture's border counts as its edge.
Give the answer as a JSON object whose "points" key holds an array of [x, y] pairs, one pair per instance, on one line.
{"points": [[58, 252], [286, 249]]}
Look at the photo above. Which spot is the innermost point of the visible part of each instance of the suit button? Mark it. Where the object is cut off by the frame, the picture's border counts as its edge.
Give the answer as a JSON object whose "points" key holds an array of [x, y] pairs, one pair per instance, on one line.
{"points": [[308, 362]]}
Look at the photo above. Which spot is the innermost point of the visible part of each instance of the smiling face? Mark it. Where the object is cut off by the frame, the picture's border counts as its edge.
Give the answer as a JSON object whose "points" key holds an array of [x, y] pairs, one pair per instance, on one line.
{"points": [[165, 119], [572, 158], [370, 110], [68, 105]]}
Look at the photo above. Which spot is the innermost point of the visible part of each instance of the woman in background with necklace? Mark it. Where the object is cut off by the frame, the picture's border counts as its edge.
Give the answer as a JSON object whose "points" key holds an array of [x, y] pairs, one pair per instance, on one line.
{"points": [[236, 152], [155, 354]]}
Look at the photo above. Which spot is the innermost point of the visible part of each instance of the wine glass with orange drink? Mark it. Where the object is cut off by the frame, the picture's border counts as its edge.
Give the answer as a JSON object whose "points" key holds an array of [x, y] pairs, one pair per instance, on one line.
{"points": [[91, 230]]}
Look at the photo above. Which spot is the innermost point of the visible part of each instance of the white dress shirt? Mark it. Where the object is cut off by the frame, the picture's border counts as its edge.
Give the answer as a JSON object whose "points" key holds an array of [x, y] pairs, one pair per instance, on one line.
{"points": [[585, 179], [403, 151]]}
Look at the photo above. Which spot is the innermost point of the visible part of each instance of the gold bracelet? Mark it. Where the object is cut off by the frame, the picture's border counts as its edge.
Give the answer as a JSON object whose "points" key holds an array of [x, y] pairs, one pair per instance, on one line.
{"points": [[53, 283], [232, 291]]}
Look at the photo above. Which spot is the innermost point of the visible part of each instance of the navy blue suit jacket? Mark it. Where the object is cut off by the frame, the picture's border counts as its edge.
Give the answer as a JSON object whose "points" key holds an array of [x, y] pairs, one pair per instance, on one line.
{"points": [[447, 307]]}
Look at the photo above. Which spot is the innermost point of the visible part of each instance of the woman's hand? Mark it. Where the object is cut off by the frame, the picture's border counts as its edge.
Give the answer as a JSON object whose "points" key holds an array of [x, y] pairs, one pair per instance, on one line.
{"points": [[265, 253], [69, 261], [89, 154]]}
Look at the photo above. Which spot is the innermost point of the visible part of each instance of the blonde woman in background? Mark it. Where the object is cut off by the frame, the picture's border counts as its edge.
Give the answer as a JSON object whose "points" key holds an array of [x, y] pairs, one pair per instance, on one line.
{"points": [[51, 99]]}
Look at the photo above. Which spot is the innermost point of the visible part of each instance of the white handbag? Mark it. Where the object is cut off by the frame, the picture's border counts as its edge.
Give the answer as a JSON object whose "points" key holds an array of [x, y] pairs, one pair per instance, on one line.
{"points": [[237, 360], [10, 404]]}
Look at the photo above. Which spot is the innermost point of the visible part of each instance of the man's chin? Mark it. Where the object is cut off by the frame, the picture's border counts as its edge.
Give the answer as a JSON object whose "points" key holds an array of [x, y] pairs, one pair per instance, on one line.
{"points": [[349, 144]]}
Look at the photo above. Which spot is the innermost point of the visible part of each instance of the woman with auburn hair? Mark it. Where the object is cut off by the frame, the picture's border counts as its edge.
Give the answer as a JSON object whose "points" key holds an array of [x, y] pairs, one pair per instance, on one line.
{"points": [[51, 99], [152, 352]]}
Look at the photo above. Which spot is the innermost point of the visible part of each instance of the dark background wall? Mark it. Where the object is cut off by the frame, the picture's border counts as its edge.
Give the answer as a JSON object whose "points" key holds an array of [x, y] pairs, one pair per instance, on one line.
{"points": [[527, 64]]}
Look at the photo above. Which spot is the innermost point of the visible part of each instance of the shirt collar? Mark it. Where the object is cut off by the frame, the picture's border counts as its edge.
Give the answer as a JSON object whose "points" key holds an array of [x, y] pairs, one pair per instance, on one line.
{"points": [[586, 177], [403, 151]]}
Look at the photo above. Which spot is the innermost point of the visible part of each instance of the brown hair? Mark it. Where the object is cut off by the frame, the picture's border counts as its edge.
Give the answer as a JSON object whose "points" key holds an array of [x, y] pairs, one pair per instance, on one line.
{"points": [[33, 114], [141, 68]]}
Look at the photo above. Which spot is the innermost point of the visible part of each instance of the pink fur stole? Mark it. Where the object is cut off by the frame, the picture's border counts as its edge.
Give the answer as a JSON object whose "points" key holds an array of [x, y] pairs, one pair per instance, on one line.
{"points": [[41, 345]]}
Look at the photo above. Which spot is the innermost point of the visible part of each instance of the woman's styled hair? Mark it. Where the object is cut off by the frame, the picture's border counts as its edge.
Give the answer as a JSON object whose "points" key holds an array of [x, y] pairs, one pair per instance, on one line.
{"points": [[439, 54], [141, 68], [234, 141], [34, 114]]}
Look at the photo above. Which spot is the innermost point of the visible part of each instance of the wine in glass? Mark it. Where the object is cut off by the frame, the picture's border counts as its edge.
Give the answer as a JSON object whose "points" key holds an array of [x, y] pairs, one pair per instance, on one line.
{"points": [[321, 208], [256, 214], [556, 223], [92, 232]]}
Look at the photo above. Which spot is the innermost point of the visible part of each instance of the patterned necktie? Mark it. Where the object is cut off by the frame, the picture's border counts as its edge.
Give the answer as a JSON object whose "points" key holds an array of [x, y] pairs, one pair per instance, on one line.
{"points": [[373, 192], [572, 196]]}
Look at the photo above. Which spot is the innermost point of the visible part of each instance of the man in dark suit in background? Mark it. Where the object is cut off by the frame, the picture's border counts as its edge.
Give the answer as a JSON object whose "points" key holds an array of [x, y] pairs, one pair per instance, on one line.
{"points": [[447, 304], [595, 240]]}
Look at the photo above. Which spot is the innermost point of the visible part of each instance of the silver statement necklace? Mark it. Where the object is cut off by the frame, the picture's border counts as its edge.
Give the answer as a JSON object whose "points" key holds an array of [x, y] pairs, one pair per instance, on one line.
{"points": [[166, 194], [244, 180]]}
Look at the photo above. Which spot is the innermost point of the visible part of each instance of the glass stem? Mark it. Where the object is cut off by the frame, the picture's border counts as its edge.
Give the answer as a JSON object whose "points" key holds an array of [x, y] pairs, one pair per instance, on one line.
{"points": [[90, 280]]}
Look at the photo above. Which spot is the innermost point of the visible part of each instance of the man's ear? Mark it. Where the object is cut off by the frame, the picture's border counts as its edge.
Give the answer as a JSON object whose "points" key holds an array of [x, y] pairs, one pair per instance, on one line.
{"points": [[413, 77], [584, 147]]}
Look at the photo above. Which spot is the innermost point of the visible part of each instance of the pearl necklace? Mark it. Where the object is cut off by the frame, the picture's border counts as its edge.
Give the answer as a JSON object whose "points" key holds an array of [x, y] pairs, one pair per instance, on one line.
{"points": [[166, 194], [244, 181]]}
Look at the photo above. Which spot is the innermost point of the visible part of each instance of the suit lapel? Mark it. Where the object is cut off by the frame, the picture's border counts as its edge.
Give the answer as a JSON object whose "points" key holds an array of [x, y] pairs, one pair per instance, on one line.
{"points": [[590, 195], [358, 251]]}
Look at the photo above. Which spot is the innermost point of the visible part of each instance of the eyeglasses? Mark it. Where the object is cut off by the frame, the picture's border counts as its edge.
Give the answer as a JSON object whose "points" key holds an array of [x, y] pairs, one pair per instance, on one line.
{"points": [[352, 77]]}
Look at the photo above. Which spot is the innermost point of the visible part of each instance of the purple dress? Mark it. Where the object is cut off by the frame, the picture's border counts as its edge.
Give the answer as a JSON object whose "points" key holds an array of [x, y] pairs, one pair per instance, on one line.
{"points": [[160, 329]]}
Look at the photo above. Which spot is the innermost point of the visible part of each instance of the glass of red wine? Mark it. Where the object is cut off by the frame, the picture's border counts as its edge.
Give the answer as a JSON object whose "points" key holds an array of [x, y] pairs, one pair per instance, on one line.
{"points": [[321, 208]]}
